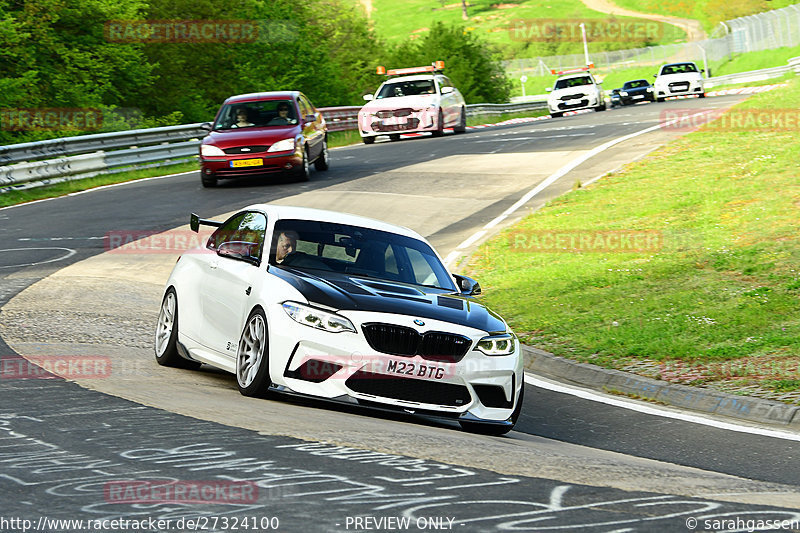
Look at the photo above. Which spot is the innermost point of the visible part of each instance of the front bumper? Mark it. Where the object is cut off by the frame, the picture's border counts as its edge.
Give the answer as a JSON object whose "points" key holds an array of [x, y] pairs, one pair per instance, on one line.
{"points": [[220, 167], [327, 365], [386, 122], [679, 88]]}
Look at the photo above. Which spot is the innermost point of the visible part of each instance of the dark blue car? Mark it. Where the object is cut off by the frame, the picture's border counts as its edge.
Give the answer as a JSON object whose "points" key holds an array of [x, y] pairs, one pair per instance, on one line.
{"points": [[636, 91]]}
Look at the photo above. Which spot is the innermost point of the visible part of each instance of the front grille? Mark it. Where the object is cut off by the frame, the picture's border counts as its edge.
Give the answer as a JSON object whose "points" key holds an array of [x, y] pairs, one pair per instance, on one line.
{"points": [[493, 396], [411, 124], [573, 96], [679, 86], [404, 112], [407, 389], [573, 104], [246, 149], [408, 342]]}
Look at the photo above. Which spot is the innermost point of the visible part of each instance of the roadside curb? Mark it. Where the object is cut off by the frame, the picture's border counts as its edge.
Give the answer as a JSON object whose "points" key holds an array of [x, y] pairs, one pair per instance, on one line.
{"points": [[695, 399]]}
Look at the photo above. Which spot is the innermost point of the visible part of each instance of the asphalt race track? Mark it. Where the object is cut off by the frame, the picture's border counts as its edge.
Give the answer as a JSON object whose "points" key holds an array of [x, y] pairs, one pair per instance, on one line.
{"points": [[570, 464]]}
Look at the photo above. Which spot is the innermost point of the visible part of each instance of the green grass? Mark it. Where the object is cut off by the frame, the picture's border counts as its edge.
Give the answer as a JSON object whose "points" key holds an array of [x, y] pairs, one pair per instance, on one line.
{"points": [[494, 119], [708, 12], [62, 189], [395, 21], [724, 286]]}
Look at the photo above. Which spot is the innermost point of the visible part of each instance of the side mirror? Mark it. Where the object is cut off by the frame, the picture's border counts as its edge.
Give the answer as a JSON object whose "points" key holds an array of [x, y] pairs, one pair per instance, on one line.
{"points": [[549, 89], [447, 90], [310, 118], [194, 222], [205, 126], [655, 75], [467, 286], [368, 97]]}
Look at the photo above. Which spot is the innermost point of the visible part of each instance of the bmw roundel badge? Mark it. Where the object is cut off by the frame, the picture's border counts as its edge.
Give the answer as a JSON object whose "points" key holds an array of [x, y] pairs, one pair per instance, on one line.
{"points": [[419, 322]]}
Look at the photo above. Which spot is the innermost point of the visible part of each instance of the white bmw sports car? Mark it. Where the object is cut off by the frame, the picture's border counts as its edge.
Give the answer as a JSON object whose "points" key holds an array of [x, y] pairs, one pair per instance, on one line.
{"points": [[340, 307]]}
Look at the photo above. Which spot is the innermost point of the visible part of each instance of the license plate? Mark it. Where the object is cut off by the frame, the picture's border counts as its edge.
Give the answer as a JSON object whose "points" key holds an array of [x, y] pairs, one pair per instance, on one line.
{"points": [[239, 163], [417, 370], [638, 96], [395, 121]]}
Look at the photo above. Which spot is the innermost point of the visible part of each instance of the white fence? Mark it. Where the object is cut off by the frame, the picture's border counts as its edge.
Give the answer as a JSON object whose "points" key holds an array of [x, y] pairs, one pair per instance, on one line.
{"points": [[765, 31]]}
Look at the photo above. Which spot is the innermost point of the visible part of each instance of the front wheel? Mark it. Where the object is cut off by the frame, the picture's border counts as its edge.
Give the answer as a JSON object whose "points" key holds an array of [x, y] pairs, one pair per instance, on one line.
{"points": [[322, 162], [368, 140], [207, 181], [461, 127], [303, 172], [439, 131], [394, 137], [252, 359], [556, 114], [659, 100], [702, 95], [493, 429], [166, 338]]}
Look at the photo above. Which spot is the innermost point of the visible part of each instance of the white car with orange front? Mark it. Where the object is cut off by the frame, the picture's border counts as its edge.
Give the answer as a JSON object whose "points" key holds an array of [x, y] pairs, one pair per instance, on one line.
{"points": [[412, 100]]}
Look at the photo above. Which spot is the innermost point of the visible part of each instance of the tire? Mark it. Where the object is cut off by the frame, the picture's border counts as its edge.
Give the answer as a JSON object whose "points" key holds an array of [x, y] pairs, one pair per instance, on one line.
{"points": [[556, 114], [601, 107], [303, 172], [659, 100], [166, 336], [462, 122], [394, 137], [208, 181], [323, 162], [368, 140], [439, 131], [494, 429], [252, 356], [702, 95]]}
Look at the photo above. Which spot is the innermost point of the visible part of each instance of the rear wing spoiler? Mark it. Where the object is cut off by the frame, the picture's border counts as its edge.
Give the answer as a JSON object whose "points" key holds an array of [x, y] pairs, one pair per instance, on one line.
{"points": [[195, 221]]}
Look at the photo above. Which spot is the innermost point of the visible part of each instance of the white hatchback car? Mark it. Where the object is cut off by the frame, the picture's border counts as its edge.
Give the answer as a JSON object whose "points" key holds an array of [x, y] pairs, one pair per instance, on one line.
{"points": [[572, 92], [426, 101], [340, 307], [675, 79]]}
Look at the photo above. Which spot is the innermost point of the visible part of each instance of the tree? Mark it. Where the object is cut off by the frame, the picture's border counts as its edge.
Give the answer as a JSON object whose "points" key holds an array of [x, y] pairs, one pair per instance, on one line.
{"points": [[472, 65]]}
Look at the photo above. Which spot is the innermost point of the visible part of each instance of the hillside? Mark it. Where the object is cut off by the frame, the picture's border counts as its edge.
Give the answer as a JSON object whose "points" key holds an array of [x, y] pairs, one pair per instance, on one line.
{"points": [[513, 26]]}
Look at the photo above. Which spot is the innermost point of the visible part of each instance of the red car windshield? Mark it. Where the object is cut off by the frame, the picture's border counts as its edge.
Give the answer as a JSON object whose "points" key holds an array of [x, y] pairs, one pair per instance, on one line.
{"points": [[260, 114]]}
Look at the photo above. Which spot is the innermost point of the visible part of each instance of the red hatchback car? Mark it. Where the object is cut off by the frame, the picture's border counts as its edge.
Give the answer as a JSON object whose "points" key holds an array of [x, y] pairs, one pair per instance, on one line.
{"points": [[264, 133]]}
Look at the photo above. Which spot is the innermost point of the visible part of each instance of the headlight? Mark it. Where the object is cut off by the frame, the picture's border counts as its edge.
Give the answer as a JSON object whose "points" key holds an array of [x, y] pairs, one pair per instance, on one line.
{"points": [[649, 89], [209, 150], [317, 318], [497, 344], [282, 146], [623, 93]]}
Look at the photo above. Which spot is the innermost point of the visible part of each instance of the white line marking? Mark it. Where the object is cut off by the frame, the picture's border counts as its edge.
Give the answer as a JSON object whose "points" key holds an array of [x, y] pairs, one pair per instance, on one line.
{"points": [[657, 411], [70, 253]]}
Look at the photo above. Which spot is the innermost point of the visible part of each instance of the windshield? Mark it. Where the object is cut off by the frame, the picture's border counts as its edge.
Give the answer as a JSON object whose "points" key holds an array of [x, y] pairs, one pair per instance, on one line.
{"points": [[264, 113], [353, 250], [406, 88], [679, 69], [636, 84], [573, 82]]}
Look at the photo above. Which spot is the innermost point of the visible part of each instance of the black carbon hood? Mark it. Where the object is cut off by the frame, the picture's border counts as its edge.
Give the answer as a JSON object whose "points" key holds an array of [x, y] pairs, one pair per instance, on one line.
{"points": [[356, 293]]}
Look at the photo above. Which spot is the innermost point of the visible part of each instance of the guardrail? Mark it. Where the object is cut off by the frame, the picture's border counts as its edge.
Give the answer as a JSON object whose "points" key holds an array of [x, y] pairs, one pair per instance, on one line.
{"points": [[753, 75]]}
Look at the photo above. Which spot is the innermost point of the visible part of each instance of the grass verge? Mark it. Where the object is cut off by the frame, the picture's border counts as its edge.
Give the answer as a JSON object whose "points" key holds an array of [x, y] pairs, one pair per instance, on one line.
{"points": [[62, 189], [714, 299]]}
